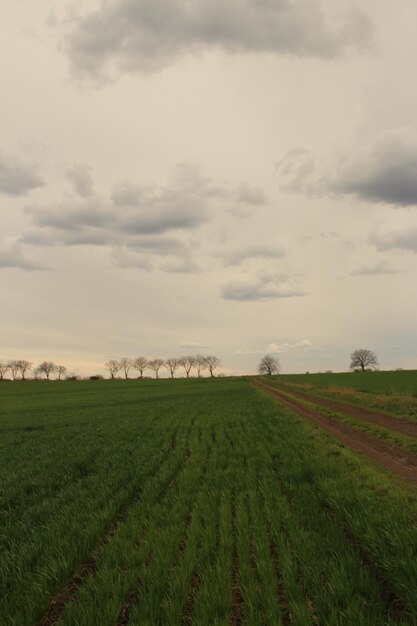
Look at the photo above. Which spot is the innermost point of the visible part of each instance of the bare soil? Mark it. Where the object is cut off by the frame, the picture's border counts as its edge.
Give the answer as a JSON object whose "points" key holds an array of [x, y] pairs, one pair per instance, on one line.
{"points": [[394, 458]]}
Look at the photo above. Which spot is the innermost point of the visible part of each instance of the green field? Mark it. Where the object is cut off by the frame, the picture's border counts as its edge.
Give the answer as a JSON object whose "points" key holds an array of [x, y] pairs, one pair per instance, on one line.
{"points": [[201, 502], [390, 382]]}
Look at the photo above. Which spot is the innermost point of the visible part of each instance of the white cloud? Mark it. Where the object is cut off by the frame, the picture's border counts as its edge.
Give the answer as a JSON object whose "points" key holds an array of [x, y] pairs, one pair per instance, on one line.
{"points": [[193, 344]]}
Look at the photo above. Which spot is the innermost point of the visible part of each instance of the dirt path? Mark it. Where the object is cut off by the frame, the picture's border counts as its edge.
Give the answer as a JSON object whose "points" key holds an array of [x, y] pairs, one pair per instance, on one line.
{"points": [[394, 458], [381, 419]]}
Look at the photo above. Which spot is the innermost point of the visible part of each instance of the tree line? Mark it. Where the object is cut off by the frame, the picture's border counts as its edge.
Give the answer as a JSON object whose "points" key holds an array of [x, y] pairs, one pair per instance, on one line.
{"points": [[22, 369], [140, 364]]}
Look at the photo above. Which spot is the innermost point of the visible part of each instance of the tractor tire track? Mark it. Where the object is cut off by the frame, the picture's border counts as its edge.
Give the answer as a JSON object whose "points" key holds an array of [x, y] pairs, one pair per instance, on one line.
{"points": [[394, 458], [381, 419]]}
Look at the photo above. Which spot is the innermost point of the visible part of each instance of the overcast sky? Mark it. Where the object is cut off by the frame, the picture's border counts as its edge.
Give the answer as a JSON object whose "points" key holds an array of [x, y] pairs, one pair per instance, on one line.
{"points": [[233, 178]]}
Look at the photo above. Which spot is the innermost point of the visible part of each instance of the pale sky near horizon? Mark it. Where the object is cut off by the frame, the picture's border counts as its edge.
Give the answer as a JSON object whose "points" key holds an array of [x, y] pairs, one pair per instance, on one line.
{"points": [[232, 178]]}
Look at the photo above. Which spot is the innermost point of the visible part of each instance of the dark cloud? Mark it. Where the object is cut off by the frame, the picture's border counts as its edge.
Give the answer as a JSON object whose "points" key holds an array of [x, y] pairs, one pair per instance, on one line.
{"points": [[381, 170], [128, 36], [18, 177], [385, 170], [12, 255], [81, 180]]}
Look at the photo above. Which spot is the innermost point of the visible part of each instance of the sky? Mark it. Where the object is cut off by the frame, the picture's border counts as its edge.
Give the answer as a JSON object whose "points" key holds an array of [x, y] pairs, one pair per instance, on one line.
{"points": [[195, 176]]}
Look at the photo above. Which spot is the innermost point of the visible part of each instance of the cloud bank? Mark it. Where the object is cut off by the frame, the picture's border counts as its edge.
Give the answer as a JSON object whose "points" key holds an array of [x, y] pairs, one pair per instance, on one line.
{"points": [[129, 36]]}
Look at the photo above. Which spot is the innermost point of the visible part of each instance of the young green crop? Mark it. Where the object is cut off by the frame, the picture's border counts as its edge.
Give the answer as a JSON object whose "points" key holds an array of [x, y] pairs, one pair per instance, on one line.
{"points": [[193, 502]]}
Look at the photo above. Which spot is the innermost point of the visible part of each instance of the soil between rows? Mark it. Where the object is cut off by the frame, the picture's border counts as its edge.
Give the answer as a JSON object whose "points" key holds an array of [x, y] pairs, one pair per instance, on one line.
{"points": [[394, 458]]}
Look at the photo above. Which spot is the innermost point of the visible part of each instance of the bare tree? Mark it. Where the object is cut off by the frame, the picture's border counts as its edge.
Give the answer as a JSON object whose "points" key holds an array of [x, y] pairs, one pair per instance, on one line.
{"points": [[113, 366], [4, 368], [172, 365], [140, 364], [187, 362], [14, 368], [24, 367], [200, 363], [126, 366], [61, 370], [47, 368], [212, 362], [269, 365], [363, 359], [155, 365]]}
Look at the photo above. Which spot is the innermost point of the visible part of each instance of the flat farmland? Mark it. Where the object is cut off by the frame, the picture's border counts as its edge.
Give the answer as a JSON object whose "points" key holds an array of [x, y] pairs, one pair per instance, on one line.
{"points": [[207, 502]]}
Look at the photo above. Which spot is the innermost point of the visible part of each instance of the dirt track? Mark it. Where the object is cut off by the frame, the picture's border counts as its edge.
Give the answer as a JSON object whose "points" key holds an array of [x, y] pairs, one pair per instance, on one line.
{"points": [[392, 457], [381, 419]]}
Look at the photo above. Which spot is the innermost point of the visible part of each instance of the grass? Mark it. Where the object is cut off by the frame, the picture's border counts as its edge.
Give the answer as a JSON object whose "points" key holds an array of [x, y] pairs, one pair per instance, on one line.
{"points": [[193, 502], [392, 392]]}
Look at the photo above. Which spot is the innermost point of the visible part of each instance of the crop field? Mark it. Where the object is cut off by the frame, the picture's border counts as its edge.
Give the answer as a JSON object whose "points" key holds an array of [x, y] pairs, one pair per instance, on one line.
{"points": [[205, 502], [394, 392]]}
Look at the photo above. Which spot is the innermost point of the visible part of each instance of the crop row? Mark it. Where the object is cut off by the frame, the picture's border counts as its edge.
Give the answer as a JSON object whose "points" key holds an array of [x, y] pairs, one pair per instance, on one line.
{"points": [[233, 511]]}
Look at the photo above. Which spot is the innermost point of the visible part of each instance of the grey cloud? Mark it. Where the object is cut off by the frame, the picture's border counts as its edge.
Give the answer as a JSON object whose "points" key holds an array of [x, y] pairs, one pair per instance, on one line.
{"points": [[128, 36], [246, 194], [400, 240], [81, 179], [257, 288], [378, 269], [254, 252], [12, 255], [127, 259], [298, 172], [180, 265], [382, 171], [18, 177], [133, 211]]}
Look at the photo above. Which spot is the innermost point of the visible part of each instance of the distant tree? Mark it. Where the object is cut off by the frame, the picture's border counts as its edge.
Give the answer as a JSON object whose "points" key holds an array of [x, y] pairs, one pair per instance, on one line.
{"points": [[24, 367], [14, 368], [126, 366], [187, 362], [212, 362], [172, 365], [47, 368], [269, 365], [200, 363], [140, 364], [363, 359], [4, 368], [113, 366], [61, 370], [155, 365]]}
